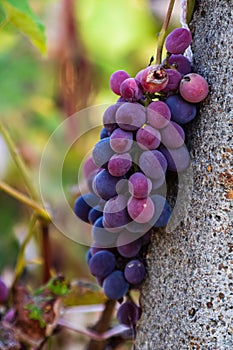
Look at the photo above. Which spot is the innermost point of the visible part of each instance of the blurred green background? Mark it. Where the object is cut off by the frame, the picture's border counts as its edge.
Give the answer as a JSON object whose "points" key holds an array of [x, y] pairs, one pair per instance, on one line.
{"points": [[87, 40]]}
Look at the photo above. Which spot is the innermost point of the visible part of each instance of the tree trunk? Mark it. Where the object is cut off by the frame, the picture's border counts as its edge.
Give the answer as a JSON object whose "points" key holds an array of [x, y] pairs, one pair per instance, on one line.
{"points": [[187, 299]]}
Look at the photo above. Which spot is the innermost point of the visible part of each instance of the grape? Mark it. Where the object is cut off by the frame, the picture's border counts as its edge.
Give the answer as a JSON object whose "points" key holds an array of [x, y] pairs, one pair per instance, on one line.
{"points": [[115, 213], [90, 179], [96, 248], [117, 79], [178, 159], [84, 204], [105, 184], [119, 164], [128, 313], [88, 167], [102, 152], [101, 236], [194, 88], [115, 285], [102, 263], [131, 90], [127, 245], [162, 211], [138, 228], [121, 141], [134, 272], [158, 183], [153, 164], [104, 133], [173, 135], [181, 63], [178, 40], [140, 210], [3, 292], [88, 255], [95, 213], [109, 117], [174, 78], [131, 116], [139, 185], [182, 112], [148, 137], [122, 187], [153, 78], [158, 114]]}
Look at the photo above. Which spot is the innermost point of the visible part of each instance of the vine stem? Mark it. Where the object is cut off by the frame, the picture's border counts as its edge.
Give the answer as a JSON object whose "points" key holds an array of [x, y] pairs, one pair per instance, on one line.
{"points": [[18, 161], [41, 212], [162, 34]]}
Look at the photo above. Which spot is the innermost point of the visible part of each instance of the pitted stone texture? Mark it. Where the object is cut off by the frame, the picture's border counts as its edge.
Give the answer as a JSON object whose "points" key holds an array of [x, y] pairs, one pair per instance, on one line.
{"points": [[187, 299]]}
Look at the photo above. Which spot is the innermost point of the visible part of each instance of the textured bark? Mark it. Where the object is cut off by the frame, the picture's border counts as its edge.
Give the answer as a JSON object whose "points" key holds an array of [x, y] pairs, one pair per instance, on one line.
{"points": [[187, 299]]}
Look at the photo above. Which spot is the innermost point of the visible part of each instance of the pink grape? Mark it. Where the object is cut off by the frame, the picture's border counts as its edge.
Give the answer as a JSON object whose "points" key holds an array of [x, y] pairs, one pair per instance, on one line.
{"points": [[153, 78], [174, 78], [178, 40], [131, 116], [119, 164], [139, 185], [121, 141], [131, 90], [148, 138], [117, 79], [140, 210], [194, 88], [158, 114], [173, 135]]}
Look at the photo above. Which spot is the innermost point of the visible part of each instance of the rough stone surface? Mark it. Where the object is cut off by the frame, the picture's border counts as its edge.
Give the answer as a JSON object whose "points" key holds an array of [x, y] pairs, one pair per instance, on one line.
{"points": [[187, 299]]}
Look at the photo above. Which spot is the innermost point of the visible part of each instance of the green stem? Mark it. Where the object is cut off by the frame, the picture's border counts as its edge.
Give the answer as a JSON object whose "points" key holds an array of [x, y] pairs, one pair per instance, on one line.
{"points": [[4, 23], [162, 34], [20, 264], [41, 212], [18, 161]]}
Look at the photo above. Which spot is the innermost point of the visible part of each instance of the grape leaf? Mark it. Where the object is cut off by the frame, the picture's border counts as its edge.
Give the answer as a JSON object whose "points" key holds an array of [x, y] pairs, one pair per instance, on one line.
{"points": [[190, 10], [20, 14]]}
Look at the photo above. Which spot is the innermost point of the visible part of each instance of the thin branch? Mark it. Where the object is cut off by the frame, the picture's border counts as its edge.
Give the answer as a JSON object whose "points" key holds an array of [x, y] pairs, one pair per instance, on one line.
{"points": [[41, 212], [162, 34], [46, 251]]}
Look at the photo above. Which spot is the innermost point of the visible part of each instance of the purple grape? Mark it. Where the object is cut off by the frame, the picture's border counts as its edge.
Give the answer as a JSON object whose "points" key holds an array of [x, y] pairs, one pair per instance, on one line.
{"points": [[158, 183], [128, 245], [131, 90], [134, 272], [178, 40], [182, 112], [105, 184], [3, 292], [109, 117], [115, 285], [102, 152], [95, 213], [139, 185], [173, 135], [121, 141], [158, 114], [153, 78], [119, 164], [117, 79], [88, 255], [153, 164], [174, 78], [178, 159], [138, 228], [148, 137], [83, 204], [128, 313], [102, 237], [140, 210], [181, 63], [102, 263], [131, 116], [194, 88], [115, 213], [162, 211]]}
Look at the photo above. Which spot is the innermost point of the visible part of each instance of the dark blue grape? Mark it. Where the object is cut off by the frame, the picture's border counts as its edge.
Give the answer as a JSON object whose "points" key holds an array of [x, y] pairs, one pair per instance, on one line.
{"points": [[95, 213], [115, 285], [104, 184], [101, 236], [84, 204], [104, 133], [128, 313], [163, 211], [182, 111], [135, 272], [102, 263], [102, 152]]}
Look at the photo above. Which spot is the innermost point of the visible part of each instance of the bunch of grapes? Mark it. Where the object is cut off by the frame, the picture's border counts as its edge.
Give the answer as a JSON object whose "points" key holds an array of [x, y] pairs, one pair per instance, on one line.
{"points": [[142, 139]]}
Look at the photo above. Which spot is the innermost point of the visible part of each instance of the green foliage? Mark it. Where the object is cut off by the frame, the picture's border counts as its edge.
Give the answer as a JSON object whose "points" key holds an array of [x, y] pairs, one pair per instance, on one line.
{"points": [[190, 10], [20, 14], [35, 313]]}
